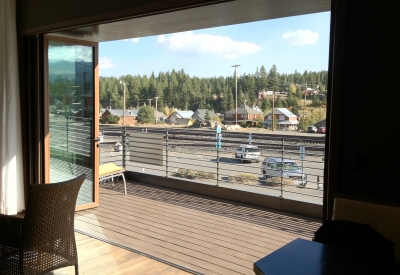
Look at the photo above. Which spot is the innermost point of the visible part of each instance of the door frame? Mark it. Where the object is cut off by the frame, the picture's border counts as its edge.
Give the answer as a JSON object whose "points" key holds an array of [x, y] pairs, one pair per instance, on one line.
{"points": [[96, 102]]}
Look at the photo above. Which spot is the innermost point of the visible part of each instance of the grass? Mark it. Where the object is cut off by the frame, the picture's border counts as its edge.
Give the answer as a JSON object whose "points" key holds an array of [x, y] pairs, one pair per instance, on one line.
{"points": [[193, 174], [244, 178], [276, 181]]}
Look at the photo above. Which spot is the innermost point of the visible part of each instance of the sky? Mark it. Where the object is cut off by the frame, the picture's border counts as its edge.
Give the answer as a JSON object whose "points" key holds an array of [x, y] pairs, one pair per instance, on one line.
{"points": [[292, 43]]}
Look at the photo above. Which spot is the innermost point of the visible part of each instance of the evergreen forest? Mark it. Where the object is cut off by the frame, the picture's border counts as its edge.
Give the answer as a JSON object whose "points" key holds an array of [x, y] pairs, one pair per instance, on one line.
{"points": [[179, 90]]}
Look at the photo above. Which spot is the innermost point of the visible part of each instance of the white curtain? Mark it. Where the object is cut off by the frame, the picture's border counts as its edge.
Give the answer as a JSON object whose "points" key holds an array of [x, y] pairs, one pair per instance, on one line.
{"points": [[11, 178]]}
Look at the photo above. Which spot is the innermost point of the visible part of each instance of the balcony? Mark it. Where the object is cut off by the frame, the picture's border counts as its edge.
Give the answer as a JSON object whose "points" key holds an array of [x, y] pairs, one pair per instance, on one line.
{"points": [[190, 232], [188, 160], [211, 222]]}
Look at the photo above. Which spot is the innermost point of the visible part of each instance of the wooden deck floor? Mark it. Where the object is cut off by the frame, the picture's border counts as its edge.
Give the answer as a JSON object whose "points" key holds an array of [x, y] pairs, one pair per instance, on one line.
{"points": [[201, 234], [97, 257]]}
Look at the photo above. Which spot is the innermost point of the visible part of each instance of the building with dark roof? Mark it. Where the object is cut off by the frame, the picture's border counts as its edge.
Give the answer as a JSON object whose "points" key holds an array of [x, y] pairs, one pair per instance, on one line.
{"points": [[200, 114], [245, 114], [130, 115]]}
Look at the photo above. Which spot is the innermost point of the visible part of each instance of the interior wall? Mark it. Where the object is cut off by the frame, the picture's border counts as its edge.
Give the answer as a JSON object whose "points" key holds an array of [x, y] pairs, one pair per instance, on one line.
{"points": [[367, 142]]}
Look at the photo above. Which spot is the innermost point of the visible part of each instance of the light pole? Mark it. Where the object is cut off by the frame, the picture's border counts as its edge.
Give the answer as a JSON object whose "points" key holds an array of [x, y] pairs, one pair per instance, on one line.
{"points": [[244, 112], [235, 66], [156, 109], [123, 111], [305, 98]]}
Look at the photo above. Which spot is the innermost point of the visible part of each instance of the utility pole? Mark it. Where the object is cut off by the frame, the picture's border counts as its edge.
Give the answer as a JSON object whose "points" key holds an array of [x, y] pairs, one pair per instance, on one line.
{"points": [[244, 112], [155, 113], [123, 111], [304, 107], [273, 107], [235, 66]]}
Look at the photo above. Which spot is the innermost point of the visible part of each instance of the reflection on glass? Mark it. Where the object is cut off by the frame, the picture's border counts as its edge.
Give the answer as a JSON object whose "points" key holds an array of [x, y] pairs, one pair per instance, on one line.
{"points": [[71, 89]]}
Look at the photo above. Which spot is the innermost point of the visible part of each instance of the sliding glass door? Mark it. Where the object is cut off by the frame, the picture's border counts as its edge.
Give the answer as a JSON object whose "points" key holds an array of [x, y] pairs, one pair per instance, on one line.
{"points": [[72, 113]]}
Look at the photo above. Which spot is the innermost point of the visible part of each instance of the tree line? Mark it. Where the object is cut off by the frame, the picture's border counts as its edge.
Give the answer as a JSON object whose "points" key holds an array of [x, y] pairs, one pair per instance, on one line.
{"points": [[178, 90]]}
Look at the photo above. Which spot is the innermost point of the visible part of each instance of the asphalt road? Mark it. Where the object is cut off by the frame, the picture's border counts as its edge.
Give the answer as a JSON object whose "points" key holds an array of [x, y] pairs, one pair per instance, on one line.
{"points": [[228, 166]]}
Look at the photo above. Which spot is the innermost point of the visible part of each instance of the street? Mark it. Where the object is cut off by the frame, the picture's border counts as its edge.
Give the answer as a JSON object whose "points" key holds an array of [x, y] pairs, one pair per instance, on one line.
{"points": [[228, 166]]}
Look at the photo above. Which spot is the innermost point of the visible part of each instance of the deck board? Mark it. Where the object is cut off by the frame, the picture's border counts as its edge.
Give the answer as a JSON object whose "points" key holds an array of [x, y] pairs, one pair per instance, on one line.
{"points": [[204, 234], [97, 257]]}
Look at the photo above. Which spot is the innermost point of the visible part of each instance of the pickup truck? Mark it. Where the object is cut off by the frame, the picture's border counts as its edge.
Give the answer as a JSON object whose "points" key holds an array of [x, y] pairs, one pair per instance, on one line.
{"points": [[248, 153]]}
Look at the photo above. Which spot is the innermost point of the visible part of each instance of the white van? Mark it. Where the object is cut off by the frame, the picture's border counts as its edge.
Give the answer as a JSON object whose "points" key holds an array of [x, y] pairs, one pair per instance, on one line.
{"points": [[272, 167]]}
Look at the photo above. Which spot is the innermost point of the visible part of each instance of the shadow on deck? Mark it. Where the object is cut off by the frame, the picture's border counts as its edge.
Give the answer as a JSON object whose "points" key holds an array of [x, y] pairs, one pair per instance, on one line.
{"points": [[199, 234]]}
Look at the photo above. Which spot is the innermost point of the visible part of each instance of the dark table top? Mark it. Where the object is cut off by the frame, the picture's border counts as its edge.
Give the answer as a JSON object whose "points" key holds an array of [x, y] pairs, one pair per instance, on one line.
{"points": [[307, 257]]}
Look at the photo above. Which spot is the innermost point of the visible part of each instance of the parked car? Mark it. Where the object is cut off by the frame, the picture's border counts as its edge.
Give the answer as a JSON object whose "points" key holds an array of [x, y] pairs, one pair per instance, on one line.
{"points": [[272, 167], [311, 129], [248, 153], [321, 130]]}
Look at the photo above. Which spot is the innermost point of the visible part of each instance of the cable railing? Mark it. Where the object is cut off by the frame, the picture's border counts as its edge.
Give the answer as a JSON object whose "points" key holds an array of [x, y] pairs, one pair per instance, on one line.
{"points": [[291, 167]]}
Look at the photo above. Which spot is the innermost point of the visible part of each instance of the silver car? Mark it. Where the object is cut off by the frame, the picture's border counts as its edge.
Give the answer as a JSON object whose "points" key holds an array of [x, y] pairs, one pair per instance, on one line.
{"points": [[272, 167]]}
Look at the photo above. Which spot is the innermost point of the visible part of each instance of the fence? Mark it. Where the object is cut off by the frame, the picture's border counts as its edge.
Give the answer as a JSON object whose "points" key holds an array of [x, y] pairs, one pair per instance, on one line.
{"points": [[289, 167]]}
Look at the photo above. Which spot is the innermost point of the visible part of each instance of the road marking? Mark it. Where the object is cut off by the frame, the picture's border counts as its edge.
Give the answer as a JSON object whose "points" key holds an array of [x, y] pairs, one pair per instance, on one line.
{"points": [[231, 160], [200, 157], [173, 156]]}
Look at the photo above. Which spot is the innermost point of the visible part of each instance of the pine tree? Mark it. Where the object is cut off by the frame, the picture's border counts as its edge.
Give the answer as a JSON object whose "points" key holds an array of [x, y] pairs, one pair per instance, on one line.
{"points": [[146, 115], [295, 110], [315, 101], [278, 102], [265, 106], [207, 116], [273, 81], [263, 84]]}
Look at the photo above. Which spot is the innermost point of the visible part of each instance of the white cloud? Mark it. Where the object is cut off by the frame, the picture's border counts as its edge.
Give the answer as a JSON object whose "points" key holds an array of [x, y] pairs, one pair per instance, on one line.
{"points": [[188, 43], [134, 40], [105, 63], [70, 53], [301, 37]]}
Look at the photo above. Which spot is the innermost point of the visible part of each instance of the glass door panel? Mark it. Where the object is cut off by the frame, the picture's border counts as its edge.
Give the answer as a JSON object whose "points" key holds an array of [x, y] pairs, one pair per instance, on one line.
{"points": [[72, 123]]}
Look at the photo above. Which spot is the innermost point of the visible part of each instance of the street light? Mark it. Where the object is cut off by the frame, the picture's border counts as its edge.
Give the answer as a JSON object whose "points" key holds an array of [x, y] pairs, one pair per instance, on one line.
{"points": [[235, 66], [123, 112], [156, 108]]}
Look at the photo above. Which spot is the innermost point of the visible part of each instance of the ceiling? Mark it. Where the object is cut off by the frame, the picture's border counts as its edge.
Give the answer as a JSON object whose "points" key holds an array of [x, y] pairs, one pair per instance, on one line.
{"points": [[228, 13]]}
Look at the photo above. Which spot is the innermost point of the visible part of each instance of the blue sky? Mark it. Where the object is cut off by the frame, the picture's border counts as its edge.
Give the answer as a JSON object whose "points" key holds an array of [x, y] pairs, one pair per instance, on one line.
{"points": [[299, 42]]}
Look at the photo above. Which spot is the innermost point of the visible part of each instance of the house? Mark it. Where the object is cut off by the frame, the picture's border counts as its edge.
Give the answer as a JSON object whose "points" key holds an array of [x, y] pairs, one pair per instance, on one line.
{"points": [[265, 94], [254, 107], [245, 114], [358, 30], [160, 116], [181, 118], [285, 119], [101, 112], [130, 115], [321, 123], [200, 114]]}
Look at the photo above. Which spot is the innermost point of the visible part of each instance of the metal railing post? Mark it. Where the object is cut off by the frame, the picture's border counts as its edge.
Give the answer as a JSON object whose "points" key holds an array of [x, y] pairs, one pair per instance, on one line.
{"points": [[283, 148], [124, 145], [67, 135], [217, 166], [166, 154]]}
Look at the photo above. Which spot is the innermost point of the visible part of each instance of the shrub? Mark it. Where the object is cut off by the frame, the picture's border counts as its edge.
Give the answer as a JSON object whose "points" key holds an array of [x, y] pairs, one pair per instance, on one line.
{"points": [[276, 181], [146, 115], [216, 118], [192, 174], [243, 178], [111, 119]]}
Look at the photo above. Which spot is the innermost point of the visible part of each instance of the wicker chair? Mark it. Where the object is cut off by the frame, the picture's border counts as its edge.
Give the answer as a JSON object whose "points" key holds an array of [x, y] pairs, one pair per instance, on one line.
{"points": [[44, 240]]}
